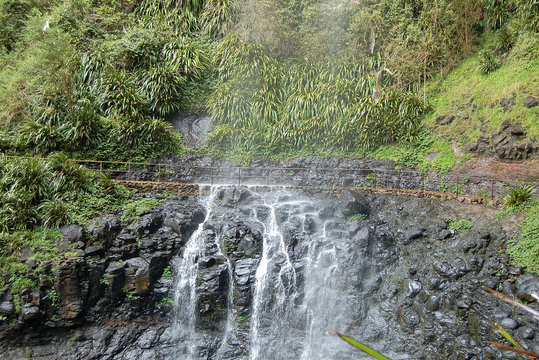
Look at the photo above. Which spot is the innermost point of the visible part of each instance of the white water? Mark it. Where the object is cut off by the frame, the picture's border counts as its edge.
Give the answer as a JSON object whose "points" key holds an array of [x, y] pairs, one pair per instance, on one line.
{"points": [[288, 317], [185, 291]]}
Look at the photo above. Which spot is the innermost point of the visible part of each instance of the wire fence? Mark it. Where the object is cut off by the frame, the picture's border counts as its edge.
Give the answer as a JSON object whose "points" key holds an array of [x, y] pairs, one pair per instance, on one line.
{"points": [[430, 183]]}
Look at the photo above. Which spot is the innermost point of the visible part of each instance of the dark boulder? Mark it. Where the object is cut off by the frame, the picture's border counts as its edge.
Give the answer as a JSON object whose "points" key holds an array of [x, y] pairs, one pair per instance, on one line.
{"points": [[73, 233], [353, 202], [30, 301], [148, 224], [137, 276], [445, 119], [7, 308], [105, 229], [68, 287], [530, 102], [528, 287]]}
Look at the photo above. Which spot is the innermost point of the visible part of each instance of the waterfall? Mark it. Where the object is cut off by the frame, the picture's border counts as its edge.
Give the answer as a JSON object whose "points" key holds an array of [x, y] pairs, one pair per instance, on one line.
{"points": [[288, 284], [185, 290]]}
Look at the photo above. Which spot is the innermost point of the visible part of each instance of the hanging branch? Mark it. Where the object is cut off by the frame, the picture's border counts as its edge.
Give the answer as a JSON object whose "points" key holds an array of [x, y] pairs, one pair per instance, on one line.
{"points": [[507, 299], [503, 347]]}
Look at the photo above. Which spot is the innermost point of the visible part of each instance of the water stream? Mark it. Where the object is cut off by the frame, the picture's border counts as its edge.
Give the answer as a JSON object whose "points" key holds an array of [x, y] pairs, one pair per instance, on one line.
{"points": [[296, 289]]}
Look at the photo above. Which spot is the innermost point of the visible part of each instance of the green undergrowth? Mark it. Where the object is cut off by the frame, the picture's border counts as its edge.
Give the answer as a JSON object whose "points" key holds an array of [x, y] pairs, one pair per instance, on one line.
{"points": [[475, 99], [459, 224], [41, 241], [135, 208], [424, 153], [525, 250]]}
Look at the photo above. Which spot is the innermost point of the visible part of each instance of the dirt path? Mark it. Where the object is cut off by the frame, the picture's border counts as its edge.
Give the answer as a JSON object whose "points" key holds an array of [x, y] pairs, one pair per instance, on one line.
{"points": [[522, 171]]}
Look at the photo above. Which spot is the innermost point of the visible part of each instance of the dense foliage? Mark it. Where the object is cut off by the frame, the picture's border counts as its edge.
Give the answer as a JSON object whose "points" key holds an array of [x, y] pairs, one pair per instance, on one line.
{"points": [[53, 193], [274, 105], [98, 79]]}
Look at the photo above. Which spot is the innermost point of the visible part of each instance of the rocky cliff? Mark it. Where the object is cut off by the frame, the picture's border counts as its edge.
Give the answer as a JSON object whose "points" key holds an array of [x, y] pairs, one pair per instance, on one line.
{"points": [[268, 275]]}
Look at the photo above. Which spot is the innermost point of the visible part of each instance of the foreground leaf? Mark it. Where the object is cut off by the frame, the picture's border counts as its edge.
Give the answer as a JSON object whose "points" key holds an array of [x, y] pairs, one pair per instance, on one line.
{"points": [[359, 345]]}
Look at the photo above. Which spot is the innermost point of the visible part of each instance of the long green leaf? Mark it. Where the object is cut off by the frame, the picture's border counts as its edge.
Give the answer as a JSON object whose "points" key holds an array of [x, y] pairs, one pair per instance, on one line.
{"points": [[359, 345]]}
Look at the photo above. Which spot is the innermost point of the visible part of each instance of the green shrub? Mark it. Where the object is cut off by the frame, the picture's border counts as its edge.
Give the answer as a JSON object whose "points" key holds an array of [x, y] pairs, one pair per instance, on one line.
{"points": [[268, 105], [518, 196], [504, 39], [54, 213], [167, 273], [488, 62]]}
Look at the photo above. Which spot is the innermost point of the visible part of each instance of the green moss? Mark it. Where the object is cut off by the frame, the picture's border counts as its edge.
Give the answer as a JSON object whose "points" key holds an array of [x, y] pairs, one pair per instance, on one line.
{"points": [[358, 217], [459, 224], [445, 157]]}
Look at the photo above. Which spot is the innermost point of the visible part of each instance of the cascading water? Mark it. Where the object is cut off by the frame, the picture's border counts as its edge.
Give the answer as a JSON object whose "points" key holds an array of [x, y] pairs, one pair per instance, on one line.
{"points": [[273, 259], [185, 291]]}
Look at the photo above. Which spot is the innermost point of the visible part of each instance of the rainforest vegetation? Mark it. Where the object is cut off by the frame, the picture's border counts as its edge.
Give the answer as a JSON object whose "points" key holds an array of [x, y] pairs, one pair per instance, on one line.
{"points": [[99, 79]]}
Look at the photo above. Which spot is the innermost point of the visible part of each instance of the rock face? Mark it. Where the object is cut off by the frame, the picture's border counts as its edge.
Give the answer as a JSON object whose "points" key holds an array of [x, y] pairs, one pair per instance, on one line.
{"points": [[194, 126], [509, 143], [530, 102], [271, 273], [445, 119]]}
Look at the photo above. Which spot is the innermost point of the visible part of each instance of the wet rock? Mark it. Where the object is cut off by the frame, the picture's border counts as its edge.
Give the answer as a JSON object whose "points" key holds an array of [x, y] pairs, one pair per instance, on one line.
{"points": [[7, 308], [94, 250], [530, 102], [233, 195], [453, 270], [526, 332], [212, 292], [509, 324], [433, 303], [30, 300], [444, 235], [105, 229], [353, 203], [414, 287], [485, 235], [412, 234], [68, 288], [137, 276], [115, 279], [528, 287], [148, 224], [73, 233], [408, 319]]}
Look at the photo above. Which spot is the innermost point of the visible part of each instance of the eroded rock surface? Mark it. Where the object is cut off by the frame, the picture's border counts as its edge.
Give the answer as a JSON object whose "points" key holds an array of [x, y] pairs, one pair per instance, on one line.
{"points": [[397, 278]]}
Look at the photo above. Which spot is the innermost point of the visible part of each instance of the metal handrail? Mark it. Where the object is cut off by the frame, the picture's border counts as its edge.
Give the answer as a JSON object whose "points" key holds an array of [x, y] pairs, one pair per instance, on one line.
{"points": [[384, 178]]}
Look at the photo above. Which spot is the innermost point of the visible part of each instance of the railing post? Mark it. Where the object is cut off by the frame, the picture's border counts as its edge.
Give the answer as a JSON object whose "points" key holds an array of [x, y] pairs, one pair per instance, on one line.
{"points": [[492, 189], [399, 180], [159, 173], [239, 176], [422, 184]]}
